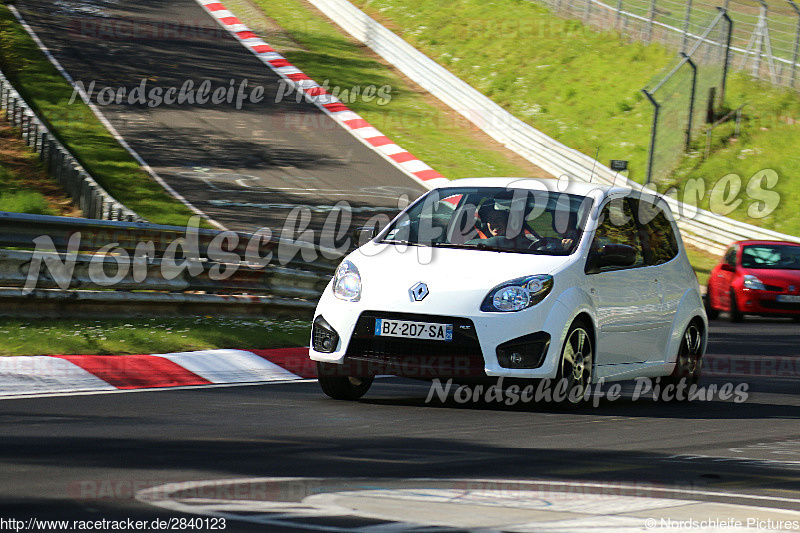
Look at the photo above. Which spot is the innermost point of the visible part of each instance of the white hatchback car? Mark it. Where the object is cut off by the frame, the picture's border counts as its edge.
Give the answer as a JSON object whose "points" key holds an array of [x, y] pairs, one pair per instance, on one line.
{"points": [[519, 278]]}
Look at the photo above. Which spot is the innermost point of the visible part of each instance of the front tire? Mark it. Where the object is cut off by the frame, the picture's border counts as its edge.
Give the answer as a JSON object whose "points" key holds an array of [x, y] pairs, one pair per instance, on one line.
{"points": [[341, 387], [734, 315], [711, 311], [575, 367]]}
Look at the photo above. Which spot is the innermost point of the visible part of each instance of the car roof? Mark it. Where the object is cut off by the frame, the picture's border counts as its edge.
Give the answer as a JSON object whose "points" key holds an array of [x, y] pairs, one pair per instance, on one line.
{"points": [[749, 242]]}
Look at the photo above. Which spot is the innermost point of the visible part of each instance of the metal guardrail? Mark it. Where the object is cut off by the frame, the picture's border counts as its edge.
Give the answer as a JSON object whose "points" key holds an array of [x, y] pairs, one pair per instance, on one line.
{"points": [[700, 228], [86, 193], [19, 230], [118, 267]]}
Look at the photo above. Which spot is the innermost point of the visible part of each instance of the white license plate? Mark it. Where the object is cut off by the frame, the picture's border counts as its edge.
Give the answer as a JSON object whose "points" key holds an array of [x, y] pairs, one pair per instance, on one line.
{"points": [[413, 330], [788, 298]]}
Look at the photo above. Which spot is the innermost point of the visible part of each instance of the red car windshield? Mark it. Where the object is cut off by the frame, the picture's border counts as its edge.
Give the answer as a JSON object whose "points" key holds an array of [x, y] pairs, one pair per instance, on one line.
{"points": [[771, 256]]}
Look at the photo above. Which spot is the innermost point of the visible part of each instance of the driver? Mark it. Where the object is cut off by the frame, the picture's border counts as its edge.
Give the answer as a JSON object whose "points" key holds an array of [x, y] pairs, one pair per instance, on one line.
{"points": [[496, 223], [566, 229]]}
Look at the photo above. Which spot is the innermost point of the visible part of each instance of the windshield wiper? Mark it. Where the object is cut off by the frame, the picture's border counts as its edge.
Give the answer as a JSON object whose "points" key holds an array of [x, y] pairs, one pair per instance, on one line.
{"points": [[386, 241], [454, 245]]}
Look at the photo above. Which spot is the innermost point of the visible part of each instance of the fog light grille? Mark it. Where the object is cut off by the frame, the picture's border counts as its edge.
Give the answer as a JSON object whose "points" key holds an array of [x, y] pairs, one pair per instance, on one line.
{"points": [[324, 337], [527, 351]]}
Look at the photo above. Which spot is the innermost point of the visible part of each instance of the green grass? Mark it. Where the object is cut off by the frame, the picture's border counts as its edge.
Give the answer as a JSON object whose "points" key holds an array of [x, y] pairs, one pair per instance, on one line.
{"points": [[25, 187], [79, 129], [29, 202], [15, 194], [144, 336], [702, 262]]}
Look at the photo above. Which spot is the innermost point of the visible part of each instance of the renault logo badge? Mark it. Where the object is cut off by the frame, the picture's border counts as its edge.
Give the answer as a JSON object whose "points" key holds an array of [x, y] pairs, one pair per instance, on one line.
{"points": [[791, 288], [418, 292]]}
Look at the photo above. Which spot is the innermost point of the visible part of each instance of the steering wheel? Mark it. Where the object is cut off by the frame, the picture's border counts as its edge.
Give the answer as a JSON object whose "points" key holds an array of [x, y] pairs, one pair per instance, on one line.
{"points": [[547, 243]]}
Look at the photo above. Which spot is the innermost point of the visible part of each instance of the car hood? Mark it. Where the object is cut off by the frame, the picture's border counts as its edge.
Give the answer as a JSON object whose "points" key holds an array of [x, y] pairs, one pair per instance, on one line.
{"points": [[778, 277], [458, 280]]}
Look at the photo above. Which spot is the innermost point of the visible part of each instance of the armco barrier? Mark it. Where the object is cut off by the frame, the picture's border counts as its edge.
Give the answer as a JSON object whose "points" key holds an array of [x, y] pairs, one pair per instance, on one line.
{"points": [[86, 193], [18, 230], [700, 228], [137, 268]]}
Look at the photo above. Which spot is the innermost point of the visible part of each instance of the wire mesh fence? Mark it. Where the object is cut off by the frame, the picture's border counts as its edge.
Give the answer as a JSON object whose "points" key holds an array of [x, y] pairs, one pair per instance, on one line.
{"points": [[687, 95], [765, 40]]}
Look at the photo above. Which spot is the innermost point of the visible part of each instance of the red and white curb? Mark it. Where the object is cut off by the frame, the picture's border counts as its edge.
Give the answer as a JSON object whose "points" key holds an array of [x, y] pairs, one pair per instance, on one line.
{"points": [[63, 374], [328, 103]]}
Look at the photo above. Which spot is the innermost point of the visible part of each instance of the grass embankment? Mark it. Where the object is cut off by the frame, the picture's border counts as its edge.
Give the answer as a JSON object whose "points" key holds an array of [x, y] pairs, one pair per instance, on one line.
{"points": [[79, 129], [143, 336], [25, 187], [583, 88]]}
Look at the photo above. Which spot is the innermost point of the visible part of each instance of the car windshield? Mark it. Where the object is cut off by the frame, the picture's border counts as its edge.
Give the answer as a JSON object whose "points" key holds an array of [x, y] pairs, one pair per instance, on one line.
{"points": [[493, 219], [772, 256]]}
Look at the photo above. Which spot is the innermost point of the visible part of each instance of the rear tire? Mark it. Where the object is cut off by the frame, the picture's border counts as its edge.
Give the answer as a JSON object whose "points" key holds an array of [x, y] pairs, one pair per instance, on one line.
{"points": [[688, 363], [341, 387], [734, 315]]}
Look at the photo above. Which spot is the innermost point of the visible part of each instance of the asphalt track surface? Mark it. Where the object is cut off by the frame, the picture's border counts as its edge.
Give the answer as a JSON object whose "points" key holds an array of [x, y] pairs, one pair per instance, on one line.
{"points": [[84, 457], [246, 168]]}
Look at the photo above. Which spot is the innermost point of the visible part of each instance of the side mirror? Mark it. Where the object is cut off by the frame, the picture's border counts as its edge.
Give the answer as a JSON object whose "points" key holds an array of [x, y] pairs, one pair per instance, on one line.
{"points": [[727, 267], [363, 234]]}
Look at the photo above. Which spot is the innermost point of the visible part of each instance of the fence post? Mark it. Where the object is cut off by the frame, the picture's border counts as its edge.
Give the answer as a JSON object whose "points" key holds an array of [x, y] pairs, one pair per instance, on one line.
{"points": [[44, 147], [651, 16], [691, 99], [726, 63], [587, 12], [796, 42], [618, 21], [23, 119], [75, 181], [51, 157], [686, 20], [33, 129], [651, 155]]}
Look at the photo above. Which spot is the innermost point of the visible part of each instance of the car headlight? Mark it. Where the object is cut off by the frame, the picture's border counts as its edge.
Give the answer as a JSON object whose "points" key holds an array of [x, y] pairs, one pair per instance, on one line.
{"points": [[347, 282], [752, 282], [518, 294]]}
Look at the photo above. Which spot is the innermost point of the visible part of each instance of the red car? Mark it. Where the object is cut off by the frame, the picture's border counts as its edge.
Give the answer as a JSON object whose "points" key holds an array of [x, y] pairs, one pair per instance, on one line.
{"points": [[758, 278]]}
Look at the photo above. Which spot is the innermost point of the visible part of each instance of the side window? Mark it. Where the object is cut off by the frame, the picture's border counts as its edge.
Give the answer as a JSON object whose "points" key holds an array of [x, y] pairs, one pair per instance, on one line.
{"points": [[659, 242], [730, 256], [617, 226]]}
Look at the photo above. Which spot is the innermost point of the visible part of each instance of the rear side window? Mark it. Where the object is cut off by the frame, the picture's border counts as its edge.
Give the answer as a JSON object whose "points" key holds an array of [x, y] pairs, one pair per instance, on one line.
{"points": [[618, 226], [730, 256], [659, 242]]}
